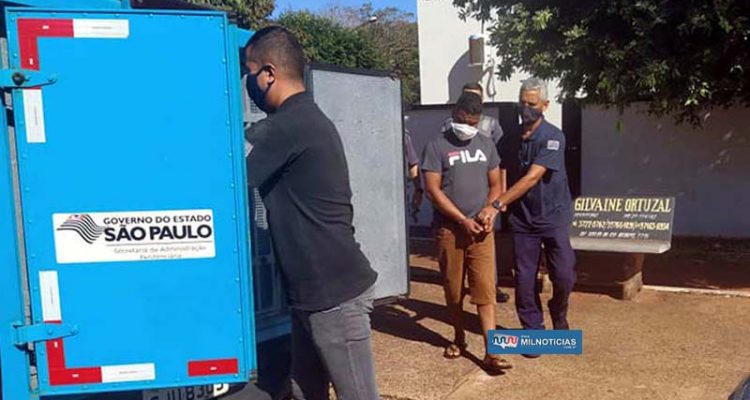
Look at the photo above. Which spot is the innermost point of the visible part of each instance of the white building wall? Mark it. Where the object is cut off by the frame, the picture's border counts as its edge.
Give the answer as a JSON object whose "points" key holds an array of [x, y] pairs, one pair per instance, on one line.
{"points": [[707, 170], [444, 60]]}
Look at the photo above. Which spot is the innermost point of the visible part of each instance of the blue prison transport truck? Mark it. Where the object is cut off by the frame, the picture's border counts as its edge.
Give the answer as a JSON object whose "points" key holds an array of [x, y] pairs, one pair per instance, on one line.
{"points": [[135, 262]]}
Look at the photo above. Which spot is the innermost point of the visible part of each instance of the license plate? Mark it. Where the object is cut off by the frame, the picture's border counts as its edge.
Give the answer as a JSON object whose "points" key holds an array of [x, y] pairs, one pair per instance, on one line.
{"points": [[187, 393]]}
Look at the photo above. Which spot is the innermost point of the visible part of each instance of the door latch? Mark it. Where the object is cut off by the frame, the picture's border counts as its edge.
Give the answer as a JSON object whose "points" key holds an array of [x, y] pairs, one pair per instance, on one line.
{"points": [[24, 78], [26, 334]]}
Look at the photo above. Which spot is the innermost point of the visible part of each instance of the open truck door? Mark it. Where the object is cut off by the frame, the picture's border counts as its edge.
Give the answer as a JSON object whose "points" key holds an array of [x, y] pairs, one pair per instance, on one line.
{"points": [[366, 108], [131, 237]]}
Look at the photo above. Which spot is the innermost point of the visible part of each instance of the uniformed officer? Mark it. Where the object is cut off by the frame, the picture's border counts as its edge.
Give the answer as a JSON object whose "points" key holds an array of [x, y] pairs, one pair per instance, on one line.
{"points": [[540, 212]]}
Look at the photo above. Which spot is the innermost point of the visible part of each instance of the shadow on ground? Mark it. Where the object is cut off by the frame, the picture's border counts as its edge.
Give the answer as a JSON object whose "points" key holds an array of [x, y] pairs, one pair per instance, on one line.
{"points": [[402, 318]]}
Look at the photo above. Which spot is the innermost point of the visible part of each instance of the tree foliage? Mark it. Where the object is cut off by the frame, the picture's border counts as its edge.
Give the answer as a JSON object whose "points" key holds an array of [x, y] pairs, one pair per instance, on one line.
{"points": [[682, 57], [394, 34], [249, 13], [362, 37], [328, 42], [396, 37]]}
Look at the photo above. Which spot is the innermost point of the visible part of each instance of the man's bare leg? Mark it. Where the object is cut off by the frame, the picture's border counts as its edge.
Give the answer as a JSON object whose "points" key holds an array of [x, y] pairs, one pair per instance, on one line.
{"points": [[457, 318], [488, 319], [455, 313]]}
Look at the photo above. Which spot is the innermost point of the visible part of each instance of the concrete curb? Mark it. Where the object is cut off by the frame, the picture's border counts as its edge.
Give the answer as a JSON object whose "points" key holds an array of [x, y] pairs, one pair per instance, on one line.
{"points": [[708, 292]]}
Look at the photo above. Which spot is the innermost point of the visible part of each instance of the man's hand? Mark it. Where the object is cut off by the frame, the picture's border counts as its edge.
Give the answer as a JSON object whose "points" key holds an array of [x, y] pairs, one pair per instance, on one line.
{"points": [[487, 218], [471, 227]]}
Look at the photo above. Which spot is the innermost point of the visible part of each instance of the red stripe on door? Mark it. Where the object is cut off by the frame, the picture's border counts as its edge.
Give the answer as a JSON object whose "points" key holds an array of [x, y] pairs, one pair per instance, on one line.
{"points": [[213, 367], [30, 29], [75, 376], [47, 27], [61, 375], [55, 354]]}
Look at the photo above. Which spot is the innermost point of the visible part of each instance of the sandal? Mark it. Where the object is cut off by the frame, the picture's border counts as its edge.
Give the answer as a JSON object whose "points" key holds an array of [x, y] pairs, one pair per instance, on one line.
{"points": [[455, 350], [495, 364]]}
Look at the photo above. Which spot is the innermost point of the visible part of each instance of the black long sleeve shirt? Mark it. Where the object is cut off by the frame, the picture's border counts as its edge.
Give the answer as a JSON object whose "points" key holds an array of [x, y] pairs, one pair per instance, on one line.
{"points": [[297, 162]]}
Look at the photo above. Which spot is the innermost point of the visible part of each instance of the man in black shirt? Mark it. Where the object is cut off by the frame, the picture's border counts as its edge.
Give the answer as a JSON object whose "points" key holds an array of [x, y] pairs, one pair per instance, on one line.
{"points": [[296, 159]]}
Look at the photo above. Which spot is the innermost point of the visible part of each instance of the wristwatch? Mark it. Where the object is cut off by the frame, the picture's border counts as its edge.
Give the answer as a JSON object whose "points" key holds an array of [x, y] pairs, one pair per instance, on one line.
{"points": [[497, 205]]}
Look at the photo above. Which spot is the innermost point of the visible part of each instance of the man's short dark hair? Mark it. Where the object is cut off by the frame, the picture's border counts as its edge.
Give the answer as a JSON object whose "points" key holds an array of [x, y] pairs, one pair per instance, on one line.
{"points": [[276, 45], [473, 86], [470, 103]]}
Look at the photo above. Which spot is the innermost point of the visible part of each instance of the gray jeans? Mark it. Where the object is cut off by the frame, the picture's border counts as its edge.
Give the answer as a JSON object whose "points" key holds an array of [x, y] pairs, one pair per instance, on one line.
{"points": [[334, 346]]}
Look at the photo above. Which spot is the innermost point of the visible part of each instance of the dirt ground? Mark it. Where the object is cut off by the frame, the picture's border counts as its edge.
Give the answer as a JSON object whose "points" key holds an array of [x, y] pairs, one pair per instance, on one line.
{"points": [[658, 346]]}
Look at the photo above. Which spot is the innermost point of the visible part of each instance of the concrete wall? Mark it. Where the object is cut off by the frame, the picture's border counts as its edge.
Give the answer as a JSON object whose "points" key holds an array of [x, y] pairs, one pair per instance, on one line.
{"points": [[707, 170], [444, 60]]}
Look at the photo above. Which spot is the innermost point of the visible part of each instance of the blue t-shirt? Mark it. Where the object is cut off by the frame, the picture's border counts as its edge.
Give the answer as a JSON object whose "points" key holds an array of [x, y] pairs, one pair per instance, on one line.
{"points": [[548, 205]]}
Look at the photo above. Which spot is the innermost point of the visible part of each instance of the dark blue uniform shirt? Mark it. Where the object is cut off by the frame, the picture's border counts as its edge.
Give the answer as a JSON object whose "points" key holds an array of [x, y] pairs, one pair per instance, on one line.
{"points": [[547, 205]]}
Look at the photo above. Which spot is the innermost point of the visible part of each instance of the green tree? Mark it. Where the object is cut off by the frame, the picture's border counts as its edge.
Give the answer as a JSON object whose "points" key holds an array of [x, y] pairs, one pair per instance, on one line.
{"points": [[396, 37], [682, 57], [394, 34], [249, 13], [327, 42]]}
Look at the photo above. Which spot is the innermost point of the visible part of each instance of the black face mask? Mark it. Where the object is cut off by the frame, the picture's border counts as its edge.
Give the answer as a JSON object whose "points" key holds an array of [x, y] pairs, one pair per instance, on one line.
{"points": [[257, 95], [529, 115]]}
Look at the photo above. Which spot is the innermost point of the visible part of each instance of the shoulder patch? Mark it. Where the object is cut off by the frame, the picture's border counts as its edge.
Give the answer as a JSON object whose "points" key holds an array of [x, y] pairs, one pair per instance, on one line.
{"points": [[553, 145]]}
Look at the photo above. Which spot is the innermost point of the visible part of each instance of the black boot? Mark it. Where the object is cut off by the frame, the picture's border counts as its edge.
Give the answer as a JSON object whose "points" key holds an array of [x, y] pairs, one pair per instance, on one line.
{"points": [[501, 296]]}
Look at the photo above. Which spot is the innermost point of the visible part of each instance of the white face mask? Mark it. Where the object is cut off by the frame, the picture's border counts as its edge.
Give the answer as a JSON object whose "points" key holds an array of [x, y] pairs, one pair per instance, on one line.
{"points": [[464, 132]]}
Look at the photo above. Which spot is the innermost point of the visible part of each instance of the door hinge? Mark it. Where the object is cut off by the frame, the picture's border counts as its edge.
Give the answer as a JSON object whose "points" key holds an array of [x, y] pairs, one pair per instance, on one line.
{"points": [[24, 78], [26, 334]]}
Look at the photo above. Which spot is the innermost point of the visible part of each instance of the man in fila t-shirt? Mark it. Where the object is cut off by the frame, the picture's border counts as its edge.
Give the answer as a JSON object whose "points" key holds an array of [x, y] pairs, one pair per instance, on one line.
{"points": [[461, 178]]}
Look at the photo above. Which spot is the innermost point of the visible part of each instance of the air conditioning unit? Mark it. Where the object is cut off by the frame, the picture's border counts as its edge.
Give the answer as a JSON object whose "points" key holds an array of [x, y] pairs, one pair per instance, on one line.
{"points": [[476, 50]]}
